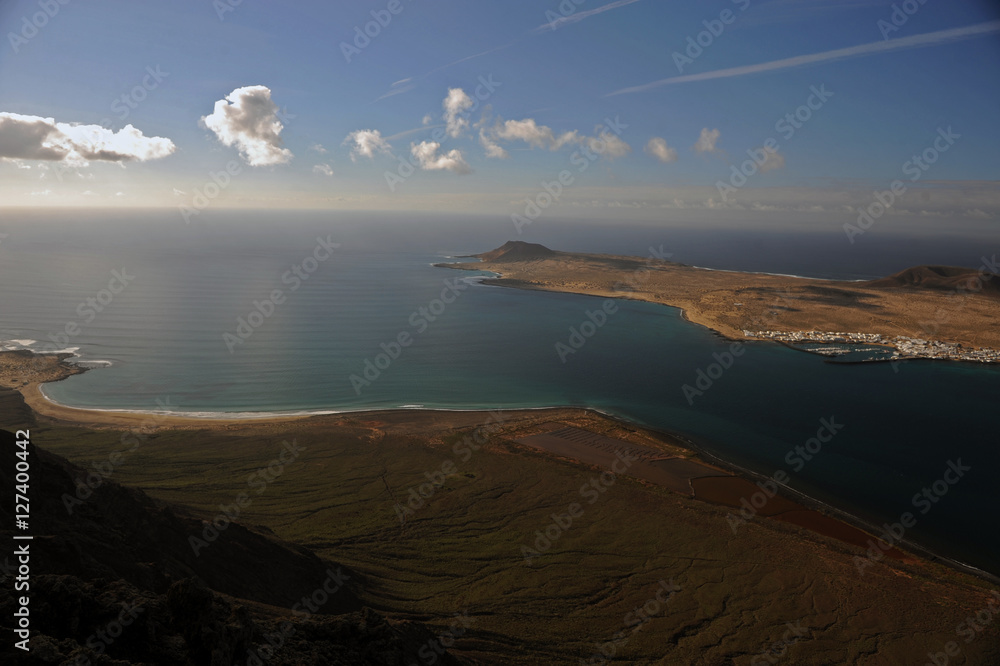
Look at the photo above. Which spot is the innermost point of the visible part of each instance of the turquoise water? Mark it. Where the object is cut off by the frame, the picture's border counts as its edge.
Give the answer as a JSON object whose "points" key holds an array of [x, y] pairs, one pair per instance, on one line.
{"points": [[162, 338]]}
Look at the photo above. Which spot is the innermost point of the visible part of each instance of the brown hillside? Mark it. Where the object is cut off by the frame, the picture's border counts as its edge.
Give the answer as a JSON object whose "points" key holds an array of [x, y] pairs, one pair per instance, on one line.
{"points": [[948, 278], [517, 251]]}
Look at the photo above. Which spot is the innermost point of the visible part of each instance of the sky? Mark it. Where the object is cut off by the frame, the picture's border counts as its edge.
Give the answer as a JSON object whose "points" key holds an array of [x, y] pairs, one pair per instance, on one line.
{"points": [[641, 108]]}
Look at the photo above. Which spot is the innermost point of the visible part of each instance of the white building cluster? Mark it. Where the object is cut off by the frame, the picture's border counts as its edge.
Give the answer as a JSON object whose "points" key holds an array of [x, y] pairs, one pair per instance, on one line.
{"points": [[905, 347]]}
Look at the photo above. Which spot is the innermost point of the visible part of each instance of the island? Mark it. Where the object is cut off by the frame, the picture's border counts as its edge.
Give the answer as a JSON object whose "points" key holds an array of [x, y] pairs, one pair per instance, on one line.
{"points": [[939, 312]]}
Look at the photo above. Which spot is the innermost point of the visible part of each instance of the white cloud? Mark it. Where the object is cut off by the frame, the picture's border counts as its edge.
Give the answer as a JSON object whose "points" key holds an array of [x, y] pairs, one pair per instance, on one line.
{"points": [[774, 160], [366, 143], [707, 140], [455, 104], [318, 147], [324, 169], [36, 138], [658, 148], [42, 193], [428, 119], [533, 134], [248, 119], [119, 194], [426, 155], [530, 132], [493, 149], [609, 145], [178, 193]]}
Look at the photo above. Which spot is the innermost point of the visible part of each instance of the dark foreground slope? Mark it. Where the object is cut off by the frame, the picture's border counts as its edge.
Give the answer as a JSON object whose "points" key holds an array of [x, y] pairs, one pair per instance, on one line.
{"points": [[115, 580], [430, 514]]}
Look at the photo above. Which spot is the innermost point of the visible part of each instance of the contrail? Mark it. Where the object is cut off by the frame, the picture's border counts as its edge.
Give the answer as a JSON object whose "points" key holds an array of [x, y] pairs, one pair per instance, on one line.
{"points": [[916, 41]]}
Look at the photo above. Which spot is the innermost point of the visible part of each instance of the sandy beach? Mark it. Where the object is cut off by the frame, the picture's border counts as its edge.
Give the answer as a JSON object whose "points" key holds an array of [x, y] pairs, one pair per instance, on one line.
{"points": [[666, 463], [504, 475]]}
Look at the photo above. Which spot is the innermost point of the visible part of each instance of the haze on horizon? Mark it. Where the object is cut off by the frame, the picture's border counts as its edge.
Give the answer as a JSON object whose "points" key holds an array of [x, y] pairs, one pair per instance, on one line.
{"points": [[646, 111]]}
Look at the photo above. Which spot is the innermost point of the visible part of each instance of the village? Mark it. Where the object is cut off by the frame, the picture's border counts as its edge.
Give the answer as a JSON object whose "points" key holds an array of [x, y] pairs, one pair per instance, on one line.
{"points": [[905, 347]]}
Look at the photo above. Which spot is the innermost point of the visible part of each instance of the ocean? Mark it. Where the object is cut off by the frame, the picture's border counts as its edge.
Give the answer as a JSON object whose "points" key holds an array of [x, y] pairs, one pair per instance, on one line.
{"points": [[262, 312]]}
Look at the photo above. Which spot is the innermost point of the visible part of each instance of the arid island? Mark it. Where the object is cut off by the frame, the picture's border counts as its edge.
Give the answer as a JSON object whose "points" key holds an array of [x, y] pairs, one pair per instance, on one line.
{"points": [[938, 312]]}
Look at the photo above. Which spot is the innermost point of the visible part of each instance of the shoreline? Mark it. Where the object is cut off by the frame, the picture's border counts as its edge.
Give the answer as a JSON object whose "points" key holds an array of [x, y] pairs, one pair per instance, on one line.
{"points": [[904, 310], [913, 553]]}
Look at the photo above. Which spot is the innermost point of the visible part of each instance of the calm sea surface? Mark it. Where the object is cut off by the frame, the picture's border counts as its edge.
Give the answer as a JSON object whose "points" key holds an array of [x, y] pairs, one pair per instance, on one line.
{"points": [[163, 337]]}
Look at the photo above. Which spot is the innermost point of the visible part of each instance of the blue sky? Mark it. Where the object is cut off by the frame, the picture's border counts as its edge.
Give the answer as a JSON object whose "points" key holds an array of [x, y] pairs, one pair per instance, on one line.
{"points": [[291, 104]]}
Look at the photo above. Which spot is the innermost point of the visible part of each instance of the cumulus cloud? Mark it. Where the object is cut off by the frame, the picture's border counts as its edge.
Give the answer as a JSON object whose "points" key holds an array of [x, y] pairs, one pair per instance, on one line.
{"points": [[365, 143], [36, 138], [324, 169], [426, 155], [707, 140], [493, 149], [248, 119], [533, 134], [604, 142], [455, 104], [318, 147], [607, 144], [658, 148]]}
